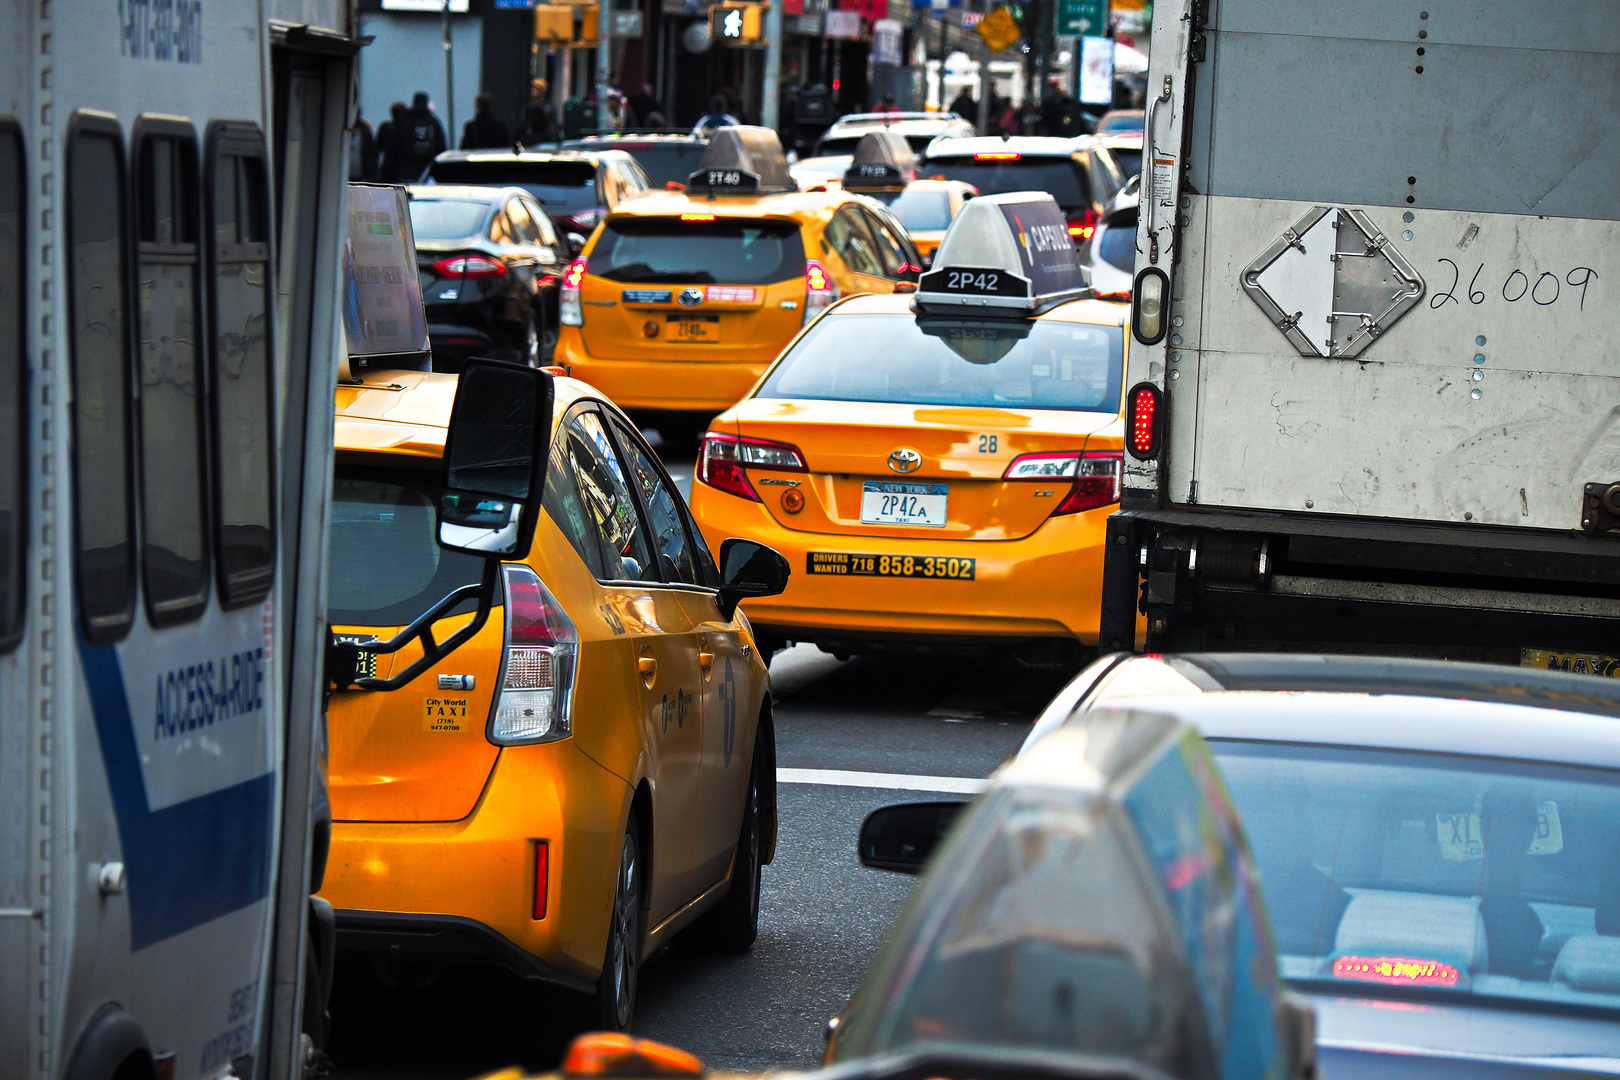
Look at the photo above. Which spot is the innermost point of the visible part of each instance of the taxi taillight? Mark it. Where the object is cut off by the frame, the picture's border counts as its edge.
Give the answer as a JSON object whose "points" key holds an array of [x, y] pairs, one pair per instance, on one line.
{"points": [[535, 696], [723, 462], [1093, 477], [1082, 227], [1142, 420], [570, 312], [820, 290]]}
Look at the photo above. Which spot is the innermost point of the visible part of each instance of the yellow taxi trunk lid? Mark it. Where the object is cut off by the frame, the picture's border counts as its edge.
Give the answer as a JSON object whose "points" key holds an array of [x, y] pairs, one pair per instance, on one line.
{"points": [[418, 753], [690, 323], [856, 449]]}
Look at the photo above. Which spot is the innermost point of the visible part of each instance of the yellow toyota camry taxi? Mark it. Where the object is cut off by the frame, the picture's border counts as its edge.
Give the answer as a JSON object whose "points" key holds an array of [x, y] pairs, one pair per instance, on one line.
{"points": [[681, 300], [884, 168], [937, 468], [594, 770]]}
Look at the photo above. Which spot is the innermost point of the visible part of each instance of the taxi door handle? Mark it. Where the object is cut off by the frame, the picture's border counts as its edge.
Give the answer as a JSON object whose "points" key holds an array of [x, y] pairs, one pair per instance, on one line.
{"points": [[705, 659], [646, 665]]}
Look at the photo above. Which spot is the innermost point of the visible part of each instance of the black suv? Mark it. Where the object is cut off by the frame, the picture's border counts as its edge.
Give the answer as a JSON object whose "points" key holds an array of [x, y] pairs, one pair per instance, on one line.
{"points": [[577, 188]]}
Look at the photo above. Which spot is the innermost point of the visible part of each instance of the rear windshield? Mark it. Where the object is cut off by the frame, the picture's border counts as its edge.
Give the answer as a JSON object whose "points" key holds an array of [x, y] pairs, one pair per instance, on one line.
{"points": [[1118, 246], [1130, 162], [447, 219], [907, 361], [670, 251], [561, 186], [844, 144], [387, 567], [666, 163], [1060, 176], [922, 211]]}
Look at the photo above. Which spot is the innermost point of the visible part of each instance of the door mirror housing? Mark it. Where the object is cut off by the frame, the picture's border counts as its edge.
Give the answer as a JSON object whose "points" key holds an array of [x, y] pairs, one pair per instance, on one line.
{"points": [[903, 836], [576, 244], [494, 459], [749, 569]]}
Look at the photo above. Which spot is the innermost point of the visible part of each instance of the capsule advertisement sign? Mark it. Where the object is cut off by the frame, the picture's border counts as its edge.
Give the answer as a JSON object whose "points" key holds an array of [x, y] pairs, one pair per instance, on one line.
{"points": [[1044, 246]]}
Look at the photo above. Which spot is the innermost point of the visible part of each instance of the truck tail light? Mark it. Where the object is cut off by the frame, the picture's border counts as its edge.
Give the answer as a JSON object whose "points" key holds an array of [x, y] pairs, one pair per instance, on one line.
{"points": [[570, 312], [820, 290], [542, 878], [1093, 477], [1142, 420], [1081, 227], [723, 462], [470, 266], [535, 698]]}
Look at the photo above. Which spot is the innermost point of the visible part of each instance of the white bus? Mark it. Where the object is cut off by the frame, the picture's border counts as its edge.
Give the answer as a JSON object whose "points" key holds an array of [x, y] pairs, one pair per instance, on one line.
{"points": [[172, 187]]}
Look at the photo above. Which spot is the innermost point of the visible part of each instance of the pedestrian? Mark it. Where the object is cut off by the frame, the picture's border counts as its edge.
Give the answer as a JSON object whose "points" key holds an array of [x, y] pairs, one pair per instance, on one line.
{"points": [[422, 139], [715, 118], [965, 106], [485, 130], [388, 142], [539, 117], [362, 149], [644, 105]]}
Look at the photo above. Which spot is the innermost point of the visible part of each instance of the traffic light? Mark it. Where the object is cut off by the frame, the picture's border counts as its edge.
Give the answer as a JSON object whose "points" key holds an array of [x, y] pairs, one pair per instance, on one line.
{"points": [[735, 24], [566, 25]]}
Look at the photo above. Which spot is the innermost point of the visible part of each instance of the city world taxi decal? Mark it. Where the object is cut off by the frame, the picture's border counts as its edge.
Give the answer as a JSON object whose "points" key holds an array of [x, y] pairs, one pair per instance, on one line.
{"points": [[949, 568]]}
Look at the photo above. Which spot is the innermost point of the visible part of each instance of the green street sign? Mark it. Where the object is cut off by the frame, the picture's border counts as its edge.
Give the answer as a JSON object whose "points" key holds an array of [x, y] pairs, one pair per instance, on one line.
{"points": [[1081, 18]]}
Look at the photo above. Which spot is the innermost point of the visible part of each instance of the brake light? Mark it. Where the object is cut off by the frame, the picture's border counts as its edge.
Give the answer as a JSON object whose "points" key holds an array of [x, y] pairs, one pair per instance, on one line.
{"points": [[724, 460], [697, 217], [820, 290], [1395, 971], [542, 878], [1081, 228], [1000, 156], [586, 219], [1142, 420], [1093, 477], [535, 698], [469, 266], [570, 312]]}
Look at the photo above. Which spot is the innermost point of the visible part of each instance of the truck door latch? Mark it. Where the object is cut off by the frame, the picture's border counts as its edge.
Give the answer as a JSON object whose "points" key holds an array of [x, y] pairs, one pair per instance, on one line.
{"points": [[1600, 508]]}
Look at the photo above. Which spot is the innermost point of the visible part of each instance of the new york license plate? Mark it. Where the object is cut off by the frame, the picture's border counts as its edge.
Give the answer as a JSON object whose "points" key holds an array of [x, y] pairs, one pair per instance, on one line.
{"points": [[705, 329], [948, 567], [886, 503]]}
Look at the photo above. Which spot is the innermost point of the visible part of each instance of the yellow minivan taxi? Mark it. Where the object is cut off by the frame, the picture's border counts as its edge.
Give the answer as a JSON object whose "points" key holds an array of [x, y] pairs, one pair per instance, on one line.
{"points": [[939, 472], [590, 773], [681, 300]]}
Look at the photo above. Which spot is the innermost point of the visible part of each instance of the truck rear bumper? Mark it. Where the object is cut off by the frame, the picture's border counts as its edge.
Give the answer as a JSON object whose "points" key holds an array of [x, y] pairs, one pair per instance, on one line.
{"points": [[1236, 579]]}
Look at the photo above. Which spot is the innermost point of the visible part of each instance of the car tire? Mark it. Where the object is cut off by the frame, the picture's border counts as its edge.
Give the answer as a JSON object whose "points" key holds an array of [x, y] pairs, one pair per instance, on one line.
{"points": [[615, 1000], [732, 925]]}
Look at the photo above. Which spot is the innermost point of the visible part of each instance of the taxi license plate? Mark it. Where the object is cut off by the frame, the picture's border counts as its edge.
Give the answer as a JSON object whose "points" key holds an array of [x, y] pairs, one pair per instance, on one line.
{"points": [[886, 503], [1579, 663], [949, 568], [702, 329]]}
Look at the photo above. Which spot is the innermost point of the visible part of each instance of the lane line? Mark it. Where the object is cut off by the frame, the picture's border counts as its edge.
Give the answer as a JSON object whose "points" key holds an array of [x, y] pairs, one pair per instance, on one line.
{"points": [[960, 785]]}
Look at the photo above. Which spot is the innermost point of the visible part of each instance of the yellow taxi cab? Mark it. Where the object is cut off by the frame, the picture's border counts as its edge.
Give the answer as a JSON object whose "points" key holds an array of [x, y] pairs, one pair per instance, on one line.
{"points": [[939, 467], [681, 300], [884, 169], [594, 769]]}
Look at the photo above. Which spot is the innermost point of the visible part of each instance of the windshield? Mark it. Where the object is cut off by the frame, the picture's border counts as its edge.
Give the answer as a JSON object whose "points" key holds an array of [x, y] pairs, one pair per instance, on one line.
{"points": [[561, 186], [386, 566], [1059, 176], [1118, 246], [1424, 873], [665, 163], [905, 360], [923, 211], [447, 219], [736, 252]]}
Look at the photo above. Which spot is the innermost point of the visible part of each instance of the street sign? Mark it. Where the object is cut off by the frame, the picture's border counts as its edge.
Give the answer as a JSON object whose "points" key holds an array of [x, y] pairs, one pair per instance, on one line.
{"points": [[844, 24], [999, 29], [1077, 18], [627, 24]]}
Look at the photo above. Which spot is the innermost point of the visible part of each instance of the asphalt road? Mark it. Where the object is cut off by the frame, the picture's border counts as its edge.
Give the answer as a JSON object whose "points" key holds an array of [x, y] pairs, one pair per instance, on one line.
{"points": [[822, 915]]}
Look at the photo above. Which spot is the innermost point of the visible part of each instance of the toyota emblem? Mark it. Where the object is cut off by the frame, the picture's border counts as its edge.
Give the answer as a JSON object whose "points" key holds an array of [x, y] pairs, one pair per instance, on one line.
{"points": [[905, 460], [690, 297]]}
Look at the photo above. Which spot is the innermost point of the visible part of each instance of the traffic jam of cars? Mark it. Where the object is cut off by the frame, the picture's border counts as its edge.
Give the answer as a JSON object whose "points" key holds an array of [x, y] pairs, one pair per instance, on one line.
{"points": [[905, 392]]}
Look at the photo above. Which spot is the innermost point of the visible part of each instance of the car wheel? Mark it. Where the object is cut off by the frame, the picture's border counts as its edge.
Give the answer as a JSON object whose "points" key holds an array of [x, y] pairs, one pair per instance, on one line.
{"points": [[733, 923], [616, 988]]}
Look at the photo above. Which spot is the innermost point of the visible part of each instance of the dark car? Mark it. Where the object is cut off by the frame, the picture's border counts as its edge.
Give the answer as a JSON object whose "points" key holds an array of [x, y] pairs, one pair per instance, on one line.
{"points": [[577, 188], [1080, 174], [489, 262], [668, 160]]}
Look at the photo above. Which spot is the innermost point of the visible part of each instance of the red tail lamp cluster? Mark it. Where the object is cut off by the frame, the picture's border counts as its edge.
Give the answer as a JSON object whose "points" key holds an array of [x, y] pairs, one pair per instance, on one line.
{"points": [[1142, 420], [723, 462], [1093, 477]]}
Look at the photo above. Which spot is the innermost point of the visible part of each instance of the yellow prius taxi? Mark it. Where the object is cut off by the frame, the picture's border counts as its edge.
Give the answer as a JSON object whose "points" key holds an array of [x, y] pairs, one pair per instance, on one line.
{"points": [[681, 300], [937, 468], [594, 770]]}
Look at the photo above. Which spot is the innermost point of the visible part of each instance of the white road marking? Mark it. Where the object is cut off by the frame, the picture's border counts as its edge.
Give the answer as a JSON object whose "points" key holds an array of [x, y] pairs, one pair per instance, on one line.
{"points": [[961, 785]]}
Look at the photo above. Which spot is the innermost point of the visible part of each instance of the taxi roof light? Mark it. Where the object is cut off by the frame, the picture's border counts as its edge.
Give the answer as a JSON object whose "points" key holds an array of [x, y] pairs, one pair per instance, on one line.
{"points": [[883, 161], [1004, 255], [743, 161], [1142, 420]]}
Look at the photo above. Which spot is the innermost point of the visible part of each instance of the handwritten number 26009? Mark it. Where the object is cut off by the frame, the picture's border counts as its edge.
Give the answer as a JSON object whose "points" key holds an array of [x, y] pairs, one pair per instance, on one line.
{"points": [[1543, 290]]}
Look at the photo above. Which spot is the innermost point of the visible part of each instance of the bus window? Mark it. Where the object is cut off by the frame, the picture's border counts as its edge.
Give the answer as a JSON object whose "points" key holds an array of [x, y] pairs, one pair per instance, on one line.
{"points": [[244, 438], [13, 390], [174, 551], [102, 481]]}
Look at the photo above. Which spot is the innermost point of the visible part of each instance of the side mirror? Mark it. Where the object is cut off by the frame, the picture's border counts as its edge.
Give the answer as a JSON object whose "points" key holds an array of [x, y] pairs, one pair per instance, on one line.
{"points": [[576, 244], [494, 459], [903, 836], [748, 569]]}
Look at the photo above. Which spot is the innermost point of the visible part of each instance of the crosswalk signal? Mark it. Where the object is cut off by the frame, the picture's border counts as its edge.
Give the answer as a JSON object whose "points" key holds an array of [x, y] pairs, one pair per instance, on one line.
{"points": [[735, 24]]}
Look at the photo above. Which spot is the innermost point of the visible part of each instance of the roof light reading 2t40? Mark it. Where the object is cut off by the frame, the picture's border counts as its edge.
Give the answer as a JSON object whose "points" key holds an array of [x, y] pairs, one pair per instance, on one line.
{"points": [[1142, 420], [1148, 297]]}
